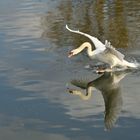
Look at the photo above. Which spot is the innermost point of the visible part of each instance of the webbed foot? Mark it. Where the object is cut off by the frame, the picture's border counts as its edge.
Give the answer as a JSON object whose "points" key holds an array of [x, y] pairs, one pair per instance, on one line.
{"points": [[103, 70]]}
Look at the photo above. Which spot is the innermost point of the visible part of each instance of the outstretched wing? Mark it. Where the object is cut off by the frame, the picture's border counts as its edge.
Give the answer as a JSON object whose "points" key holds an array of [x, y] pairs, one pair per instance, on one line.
{"points": [[113, 106], [112, 50], [80, 83], [98, 44]]}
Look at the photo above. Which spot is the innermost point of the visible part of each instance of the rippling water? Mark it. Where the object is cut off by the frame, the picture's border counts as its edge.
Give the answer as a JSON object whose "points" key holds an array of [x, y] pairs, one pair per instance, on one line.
{"points": [[35, 71]]}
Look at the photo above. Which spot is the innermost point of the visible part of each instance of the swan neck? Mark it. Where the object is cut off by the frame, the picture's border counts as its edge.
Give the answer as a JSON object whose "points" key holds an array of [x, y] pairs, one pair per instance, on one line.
{"points": [[88, 46]]}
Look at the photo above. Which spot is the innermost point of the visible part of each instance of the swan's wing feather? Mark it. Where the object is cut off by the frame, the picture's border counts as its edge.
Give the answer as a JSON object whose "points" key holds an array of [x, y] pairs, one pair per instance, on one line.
{"points": [[80, 83], [110, 120], [98, 44], [112, 50], [113, 106]]}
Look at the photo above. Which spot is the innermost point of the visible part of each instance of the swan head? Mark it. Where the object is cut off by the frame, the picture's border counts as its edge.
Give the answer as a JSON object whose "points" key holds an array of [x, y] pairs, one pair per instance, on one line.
{"points": [[73, 52], [81, 48]]}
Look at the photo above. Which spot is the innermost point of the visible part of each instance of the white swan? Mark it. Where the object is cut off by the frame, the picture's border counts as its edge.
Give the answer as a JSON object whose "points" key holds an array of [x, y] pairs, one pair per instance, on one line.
{"points": [[103, 52]]}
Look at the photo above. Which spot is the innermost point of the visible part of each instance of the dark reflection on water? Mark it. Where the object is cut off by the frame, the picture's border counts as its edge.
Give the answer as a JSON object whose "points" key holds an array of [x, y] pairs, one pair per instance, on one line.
{"points": [[34, 69], [108, 84]]}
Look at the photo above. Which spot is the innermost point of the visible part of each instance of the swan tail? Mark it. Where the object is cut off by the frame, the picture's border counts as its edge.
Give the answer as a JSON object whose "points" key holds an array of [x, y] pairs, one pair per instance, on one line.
{"points": [[96, 42], [130, 64]]}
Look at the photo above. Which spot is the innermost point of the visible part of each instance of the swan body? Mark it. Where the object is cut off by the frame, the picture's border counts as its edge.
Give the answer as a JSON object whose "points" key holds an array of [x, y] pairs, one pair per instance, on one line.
{"points": [[103, 52]]}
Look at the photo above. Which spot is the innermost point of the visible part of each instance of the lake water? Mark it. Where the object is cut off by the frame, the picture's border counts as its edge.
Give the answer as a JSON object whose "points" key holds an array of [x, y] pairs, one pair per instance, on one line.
{"points": [[35, 71]]}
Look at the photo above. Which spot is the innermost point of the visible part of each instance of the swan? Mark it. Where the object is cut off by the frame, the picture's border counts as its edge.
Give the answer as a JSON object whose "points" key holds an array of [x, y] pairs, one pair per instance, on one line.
{"points": [[108, 85], [103, 52]]}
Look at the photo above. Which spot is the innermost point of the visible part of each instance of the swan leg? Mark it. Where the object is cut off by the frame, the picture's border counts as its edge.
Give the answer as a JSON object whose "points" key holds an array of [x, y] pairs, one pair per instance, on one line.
{"points": [[103, 70]]}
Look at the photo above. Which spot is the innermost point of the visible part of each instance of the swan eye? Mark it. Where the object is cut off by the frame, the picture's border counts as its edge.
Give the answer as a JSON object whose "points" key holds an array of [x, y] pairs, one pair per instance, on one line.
{"points": [[70, 54]]}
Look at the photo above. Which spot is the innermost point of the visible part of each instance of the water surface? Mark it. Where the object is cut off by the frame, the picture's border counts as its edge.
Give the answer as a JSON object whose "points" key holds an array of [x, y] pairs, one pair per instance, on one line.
{"points": [[35, 70]]}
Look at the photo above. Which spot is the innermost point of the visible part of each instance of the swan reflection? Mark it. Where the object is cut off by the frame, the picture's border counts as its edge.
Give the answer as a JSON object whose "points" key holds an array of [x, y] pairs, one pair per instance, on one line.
{"points": [[108, 85]]}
